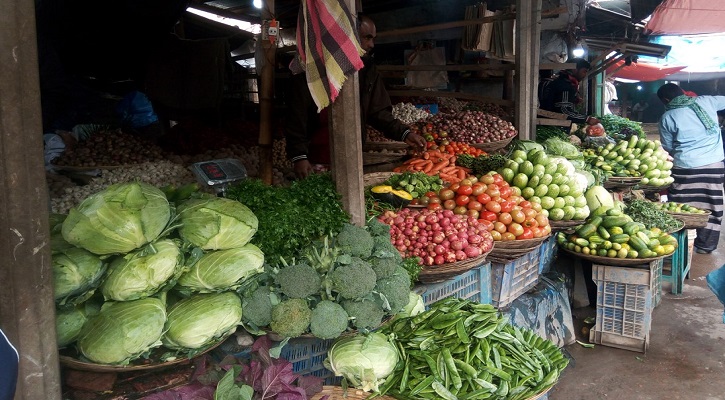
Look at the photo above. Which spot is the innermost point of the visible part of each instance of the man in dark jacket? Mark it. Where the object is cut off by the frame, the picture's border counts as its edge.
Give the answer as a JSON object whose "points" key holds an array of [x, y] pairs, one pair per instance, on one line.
{"points": [[304, 126], [8, 368], [561, 93]]}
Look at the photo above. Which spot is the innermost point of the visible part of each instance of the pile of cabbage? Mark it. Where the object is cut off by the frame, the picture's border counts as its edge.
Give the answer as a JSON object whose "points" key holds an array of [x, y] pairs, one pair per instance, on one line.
{"points": [[132, 273]]}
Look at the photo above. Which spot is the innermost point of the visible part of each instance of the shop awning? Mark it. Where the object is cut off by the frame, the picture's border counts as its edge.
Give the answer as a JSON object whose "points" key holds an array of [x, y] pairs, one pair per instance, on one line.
{"points": [[641, 71], [687, 17]]}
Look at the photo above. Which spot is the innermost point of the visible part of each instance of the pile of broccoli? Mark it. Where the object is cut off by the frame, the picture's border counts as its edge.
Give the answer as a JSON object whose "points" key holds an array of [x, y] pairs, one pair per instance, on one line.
{"points": [[351, 280]]}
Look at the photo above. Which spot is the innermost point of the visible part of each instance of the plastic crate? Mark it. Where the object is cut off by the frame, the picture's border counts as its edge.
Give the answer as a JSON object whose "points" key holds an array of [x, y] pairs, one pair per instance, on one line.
{"points": [[473, 285], [657, 282], [431, 108], [624, 306], [307, 355], [547, 253], [511, 280]]}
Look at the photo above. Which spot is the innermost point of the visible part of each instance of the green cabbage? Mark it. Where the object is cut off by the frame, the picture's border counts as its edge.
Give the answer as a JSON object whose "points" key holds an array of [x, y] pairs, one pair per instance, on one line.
{"points": [[363, 360], [221, 270], [68, 324], [118, 219], [144, 272], [217, 223], [414, 307], [202, 320], [123, 331], [76, 274], [559, 147]]}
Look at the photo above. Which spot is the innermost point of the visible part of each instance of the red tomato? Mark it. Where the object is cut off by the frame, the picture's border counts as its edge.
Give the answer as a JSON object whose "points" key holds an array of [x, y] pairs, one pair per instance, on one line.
{"points": [[460, 210], [465, 182], [487, 179], [449, 204], [434, 206], [516, 229], [542, 220], [518, 216], [499, 227], [489, 216], [436, 200], [536, 206], [483, 198], [493, 207], [474, 205], [446, 194], [464, 189], [505, 218], [526, 234], [493, 191], [530, 213], [486, 223], [496, 235], [525, 204], [462, 200], [505, 191], [454, 186], [530, 223], [477, 189], [472, 213], [537, 232], [507, 236], [497, 178], [431, 194], [507, 206]]}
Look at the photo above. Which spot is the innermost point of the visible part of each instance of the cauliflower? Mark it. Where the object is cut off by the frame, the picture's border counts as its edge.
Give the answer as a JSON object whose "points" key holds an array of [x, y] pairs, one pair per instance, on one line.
{"points": [[291, 318], [299, 281], [384, 267], [329, 320], [365, 313], [257, 308], [396, 289], [355, 241], [354, 280]]}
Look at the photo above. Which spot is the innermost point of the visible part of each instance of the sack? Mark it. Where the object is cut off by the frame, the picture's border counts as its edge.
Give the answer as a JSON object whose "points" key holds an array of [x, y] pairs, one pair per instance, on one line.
{"points": [[135, 110]]}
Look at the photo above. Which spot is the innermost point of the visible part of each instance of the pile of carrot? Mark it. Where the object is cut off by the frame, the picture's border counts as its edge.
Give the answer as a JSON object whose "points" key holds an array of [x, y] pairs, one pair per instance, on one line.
{"points": [[436, 162]]}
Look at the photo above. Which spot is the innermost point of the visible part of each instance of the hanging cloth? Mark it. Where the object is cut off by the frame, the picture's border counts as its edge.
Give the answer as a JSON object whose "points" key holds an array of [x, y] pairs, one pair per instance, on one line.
{"points": [[328, 48]]}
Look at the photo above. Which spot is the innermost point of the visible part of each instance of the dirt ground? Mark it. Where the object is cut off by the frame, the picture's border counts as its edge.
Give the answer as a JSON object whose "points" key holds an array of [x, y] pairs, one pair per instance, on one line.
{"points": [[686, 355]]}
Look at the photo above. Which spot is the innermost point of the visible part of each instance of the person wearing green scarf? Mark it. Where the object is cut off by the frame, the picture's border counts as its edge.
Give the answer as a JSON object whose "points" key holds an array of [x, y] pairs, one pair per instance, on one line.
{"points": [[690, 133]]}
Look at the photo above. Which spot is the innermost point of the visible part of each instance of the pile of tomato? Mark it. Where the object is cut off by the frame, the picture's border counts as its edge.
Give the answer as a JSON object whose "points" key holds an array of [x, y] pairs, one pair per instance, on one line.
{"points": [[495, 204]]}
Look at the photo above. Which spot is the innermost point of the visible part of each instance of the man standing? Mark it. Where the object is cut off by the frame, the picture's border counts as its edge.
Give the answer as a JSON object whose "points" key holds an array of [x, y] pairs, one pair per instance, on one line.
{"points": [[689, 131], [561, 93], [304, 126]]}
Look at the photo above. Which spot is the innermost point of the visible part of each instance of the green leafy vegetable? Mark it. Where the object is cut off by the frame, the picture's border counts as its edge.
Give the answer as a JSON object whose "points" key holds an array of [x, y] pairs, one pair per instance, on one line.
{"points": [[621, 128], [544, 132], [290, 218], [482, 164], [651, 216]]}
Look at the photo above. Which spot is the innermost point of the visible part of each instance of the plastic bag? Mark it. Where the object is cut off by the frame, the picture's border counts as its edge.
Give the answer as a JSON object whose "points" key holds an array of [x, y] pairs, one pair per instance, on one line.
{"points": [[598, 141]]}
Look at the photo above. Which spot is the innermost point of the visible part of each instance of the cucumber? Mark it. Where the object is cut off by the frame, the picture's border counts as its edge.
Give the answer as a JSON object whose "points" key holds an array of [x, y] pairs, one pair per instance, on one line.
{"points": [[631, 228], [603, 232], [586, 230], [620, 238], [637, 244], [618, 220]]}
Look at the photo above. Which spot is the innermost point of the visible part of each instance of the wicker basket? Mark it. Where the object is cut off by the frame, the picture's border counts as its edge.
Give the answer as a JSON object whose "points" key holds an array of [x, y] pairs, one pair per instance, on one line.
{"points": [[622, 182], [505, 251], [565, 225], [679, 227], [491, 147], [338, 393], [692, 221], [371, 146], [620, 262], [376, 178], [443, 272]]}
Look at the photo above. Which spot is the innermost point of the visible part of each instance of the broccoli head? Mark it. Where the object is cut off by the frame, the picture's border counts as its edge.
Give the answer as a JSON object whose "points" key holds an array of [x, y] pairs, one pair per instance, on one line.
{"points": [[355, 241], [396, 289], [299, 281], [329, 320], [378, 228], [354, 280], [291, 318], [384, 267], [257, 308], [365, 313], [383, 247]]}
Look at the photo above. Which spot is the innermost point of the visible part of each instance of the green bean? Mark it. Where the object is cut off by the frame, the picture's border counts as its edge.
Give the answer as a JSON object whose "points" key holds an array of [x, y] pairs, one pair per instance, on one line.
{"points": [[465, 367], [451, 368], [432, 365], [461, 332], [484, 384], [443, 392], [422, 385], [505, 376]]}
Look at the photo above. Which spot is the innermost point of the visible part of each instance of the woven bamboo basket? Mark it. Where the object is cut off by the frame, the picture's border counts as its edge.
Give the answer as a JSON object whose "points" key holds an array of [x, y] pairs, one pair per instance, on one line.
{"points": [[565, 225], [376, 178], [679, 227], [620, 262], [443, 272], [338, 393], [370, 145], [504, 251], [491, 147], [621, 182], [692, 221]]}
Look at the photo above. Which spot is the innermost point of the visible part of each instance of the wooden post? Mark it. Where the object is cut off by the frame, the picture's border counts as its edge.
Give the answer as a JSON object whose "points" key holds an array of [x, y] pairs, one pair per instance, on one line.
{"points": [[528, 32], [346, 145], [266, 95], [27, 308]]}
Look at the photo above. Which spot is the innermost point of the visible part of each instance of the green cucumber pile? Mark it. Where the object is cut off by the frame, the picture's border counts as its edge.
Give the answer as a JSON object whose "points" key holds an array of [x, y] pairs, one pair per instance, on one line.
{"points": [[461, 349]]}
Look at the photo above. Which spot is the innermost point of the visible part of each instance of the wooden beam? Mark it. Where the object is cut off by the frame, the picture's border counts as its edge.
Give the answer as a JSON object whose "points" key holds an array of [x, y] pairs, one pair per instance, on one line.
{"points": [[457, 95], [266, 95], [553, 122], [458, 24], [550, 114], [27, 306], [453, 67], [346, 145], [528, 33]]}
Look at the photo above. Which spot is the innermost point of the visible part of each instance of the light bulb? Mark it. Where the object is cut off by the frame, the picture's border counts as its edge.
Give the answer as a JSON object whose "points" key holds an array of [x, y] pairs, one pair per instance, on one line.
{"points": [[257, 3], [578, 50]]}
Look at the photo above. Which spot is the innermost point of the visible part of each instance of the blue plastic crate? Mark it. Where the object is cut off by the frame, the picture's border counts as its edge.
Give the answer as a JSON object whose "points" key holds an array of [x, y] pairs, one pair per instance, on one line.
{"points": [[511, 280], [307, 355], [431, 108], [547, 254], [624, 306], [474, 284]]}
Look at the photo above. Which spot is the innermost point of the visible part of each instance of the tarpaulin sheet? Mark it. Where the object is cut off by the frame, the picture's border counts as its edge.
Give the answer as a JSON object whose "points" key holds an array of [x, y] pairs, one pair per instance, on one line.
{"points": [[642, 71], [687, 17]]}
